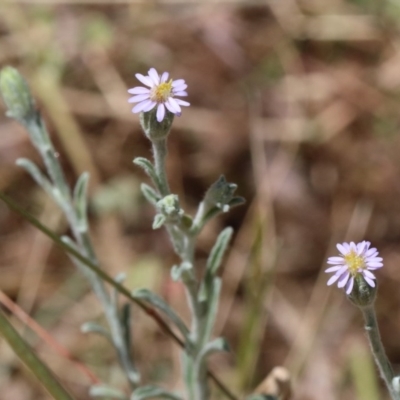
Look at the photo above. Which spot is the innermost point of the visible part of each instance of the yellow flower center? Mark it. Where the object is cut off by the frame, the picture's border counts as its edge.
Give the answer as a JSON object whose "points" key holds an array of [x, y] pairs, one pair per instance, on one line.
{"points": [[161, 92], [354, 262]]}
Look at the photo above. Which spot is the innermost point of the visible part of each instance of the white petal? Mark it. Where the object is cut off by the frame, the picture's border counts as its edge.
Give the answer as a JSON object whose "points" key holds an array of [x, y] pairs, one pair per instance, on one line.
{"points": [[139, 97], [160, 112], [343, 279], [139, 90], [145, 80], [154, 76], [341, 248], [349, 285], [333, 269], [169, 107], [374, 264], [141, 106], [164, 77], [335, 260], [360, 247], [182, 102], [178, 82], [174, 105], [332, 280], [181, 93], [177, 88], [369, 281], [374, 259], [371, 251], [150, 106], [368, 274]]}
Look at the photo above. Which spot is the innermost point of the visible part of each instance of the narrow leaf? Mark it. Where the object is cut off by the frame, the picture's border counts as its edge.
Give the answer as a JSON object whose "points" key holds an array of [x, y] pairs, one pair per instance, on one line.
{"points": [[93, 327], [37, 175], [80, 201], [107, 391], [218, 251], [160, 304], [148, 167], [148, 392], [219, 344], [31, 360], [212, 306], [150, 194]]}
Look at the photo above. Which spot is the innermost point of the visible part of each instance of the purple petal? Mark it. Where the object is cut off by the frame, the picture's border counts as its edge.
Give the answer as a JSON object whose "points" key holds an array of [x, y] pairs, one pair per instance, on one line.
{"points": [[160, 112], [181, 93], [141, 106], [341, 248], [169, 107], [150, 106], [369, 281], [139, 90], [139, 97], [182, 102], [164, 77], [178, 82], [332, 280], [335, 260], [349, 285], [154, 76], [174, 105], [145, 80], [368, 274], [371, 251], [178, 88], [333, 269], [374, 264], [343, 279]]}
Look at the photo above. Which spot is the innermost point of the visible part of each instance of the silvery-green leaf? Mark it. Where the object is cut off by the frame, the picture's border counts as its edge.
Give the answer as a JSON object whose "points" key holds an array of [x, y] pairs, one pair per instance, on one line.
{"points": [[160, 304], [93, 327], [126, 323], [212, 306], [261, 397], [158, 221], [218, 251], [36, 174], [54, 170], [214, 261], [219, 344], [148, 167], [150, 194], [107, 391], [151, 391], [80, 201], [178, 270]]}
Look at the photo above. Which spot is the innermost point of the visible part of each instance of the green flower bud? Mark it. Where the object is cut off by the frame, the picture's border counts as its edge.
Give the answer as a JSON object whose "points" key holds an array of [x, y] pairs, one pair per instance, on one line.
{"points": [[169, 207], [16, 95], [153, 129], [362, 295]]}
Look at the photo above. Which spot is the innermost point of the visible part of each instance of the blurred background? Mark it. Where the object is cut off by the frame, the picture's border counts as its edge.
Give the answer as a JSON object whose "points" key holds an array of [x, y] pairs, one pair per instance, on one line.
{"points": [[296, 101]]}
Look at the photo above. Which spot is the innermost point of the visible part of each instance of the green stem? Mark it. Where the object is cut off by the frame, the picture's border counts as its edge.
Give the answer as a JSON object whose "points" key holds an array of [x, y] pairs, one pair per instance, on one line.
{"points": [[160, 153], [31, 360], [374, 337], [107, 278]]}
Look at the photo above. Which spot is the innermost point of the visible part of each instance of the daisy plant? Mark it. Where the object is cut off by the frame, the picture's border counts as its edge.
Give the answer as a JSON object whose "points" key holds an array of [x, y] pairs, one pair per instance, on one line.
{"points": [[158, 107], [157, 104], [353, 270]]}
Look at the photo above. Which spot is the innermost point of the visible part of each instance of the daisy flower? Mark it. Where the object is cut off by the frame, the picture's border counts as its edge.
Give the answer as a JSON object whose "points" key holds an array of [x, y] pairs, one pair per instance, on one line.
{"points": [[159, 92], [354, 259]]}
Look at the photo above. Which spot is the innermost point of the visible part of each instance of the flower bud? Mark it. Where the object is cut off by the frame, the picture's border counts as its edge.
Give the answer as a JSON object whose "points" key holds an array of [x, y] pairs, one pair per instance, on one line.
{"points": [[169, 208], [16, 95], [362, 295], [153, 129]]}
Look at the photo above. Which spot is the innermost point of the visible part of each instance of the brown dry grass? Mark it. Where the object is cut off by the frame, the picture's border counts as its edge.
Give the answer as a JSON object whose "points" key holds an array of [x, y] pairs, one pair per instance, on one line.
{"points": [[296, 101]]}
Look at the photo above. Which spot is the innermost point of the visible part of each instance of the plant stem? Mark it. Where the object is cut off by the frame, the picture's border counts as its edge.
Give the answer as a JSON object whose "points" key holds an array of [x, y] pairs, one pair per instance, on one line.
{"points": [[384, 366], [160, 154], [31, 360]]}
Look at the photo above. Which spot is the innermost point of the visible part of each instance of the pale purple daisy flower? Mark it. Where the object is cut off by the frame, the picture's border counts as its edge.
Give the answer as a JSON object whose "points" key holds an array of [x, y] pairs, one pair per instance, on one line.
{"points": [[354, 259], [160, 92]]}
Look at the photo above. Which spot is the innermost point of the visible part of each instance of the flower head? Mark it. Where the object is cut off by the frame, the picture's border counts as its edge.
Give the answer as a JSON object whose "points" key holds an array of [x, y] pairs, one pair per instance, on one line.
{"points": [[160, 92], [354, 260]]}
